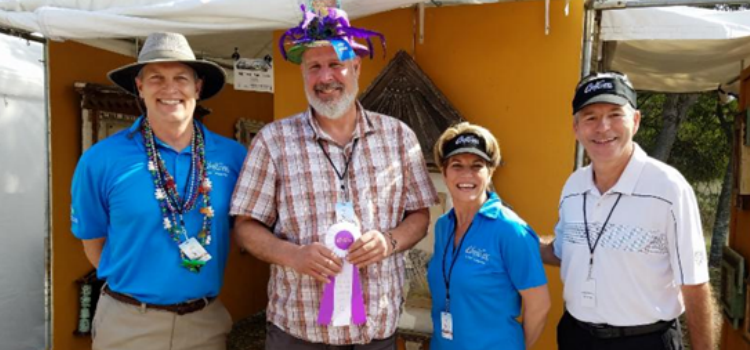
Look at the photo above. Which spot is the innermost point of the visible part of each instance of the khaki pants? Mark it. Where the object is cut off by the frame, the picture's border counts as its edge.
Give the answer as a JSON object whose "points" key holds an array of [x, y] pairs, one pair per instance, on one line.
{"points": [[120, 326]]}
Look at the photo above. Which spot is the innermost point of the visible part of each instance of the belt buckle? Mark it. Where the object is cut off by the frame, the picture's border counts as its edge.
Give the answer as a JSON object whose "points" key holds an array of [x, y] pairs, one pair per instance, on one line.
{"points": [[182, 309], [600, 330], [192, 306]]}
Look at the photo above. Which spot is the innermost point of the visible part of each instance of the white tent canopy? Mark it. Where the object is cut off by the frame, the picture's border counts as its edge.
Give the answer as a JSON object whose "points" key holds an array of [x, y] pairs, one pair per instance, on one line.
{"points": [[678, 49], [675, 49], [79, 19], [214, 27]]}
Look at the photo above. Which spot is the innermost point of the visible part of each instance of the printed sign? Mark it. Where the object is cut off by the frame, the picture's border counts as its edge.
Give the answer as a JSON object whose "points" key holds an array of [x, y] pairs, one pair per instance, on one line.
{"points": [[253, 74]]}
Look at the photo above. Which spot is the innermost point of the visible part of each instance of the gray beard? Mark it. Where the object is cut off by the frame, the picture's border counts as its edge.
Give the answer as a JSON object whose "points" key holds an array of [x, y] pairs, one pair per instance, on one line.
{"points": [[333, 110]]}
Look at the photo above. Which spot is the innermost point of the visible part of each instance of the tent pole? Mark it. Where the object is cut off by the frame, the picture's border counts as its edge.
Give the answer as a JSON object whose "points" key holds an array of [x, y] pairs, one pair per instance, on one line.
{"points": [[23, 35], [589, 25]]}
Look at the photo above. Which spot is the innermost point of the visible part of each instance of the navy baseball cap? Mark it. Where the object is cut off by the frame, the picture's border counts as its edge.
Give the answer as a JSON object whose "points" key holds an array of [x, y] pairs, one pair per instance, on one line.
{"points": [[606, 87], [466, 143]]}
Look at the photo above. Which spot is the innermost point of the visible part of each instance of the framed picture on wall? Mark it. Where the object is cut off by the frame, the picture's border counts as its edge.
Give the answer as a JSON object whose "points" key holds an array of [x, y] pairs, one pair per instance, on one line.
{"points": [[105, 110], [246, 129], [732, 293]]}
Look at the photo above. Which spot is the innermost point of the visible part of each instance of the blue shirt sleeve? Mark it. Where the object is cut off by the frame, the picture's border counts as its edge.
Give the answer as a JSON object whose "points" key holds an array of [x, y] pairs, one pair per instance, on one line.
{"points": [[89, 215], [520, 253]]}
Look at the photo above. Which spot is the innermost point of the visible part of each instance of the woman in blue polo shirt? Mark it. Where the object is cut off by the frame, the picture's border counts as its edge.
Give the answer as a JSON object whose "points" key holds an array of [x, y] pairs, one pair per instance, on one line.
{"points": [[486, 262]]}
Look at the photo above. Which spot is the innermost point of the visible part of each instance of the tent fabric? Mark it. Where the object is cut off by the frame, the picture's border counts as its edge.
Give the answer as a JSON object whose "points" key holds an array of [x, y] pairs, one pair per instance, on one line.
{"points": [[674, 23], [682, 65], [214, 28], [677, 49], [80, 19], [23, 195]]}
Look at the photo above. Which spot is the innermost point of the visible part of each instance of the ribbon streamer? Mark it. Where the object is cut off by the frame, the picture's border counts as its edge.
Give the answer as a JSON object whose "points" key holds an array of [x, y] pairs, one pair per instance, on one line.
{"points": [[342, 303]]}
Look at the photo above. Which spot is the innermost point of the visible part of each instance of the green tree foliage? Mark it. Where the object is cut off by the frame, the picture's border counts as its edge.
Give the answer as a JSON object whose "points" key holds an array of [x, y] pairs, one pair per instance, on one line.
{"points": [[702, 149]]}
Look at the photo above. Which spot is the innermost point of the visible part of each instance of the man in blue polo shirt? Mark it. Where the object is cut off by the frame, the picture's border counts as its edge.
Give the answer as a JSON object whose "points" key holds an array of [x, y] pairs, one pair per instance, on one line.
{"points": [[151, 206]]}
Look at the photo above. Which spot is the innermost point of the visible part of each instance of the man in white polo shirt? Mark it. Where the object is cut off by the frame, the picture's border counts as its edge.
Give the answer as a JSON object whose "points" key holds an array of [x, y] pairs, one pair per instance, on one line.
{"points": [[629, 236]]}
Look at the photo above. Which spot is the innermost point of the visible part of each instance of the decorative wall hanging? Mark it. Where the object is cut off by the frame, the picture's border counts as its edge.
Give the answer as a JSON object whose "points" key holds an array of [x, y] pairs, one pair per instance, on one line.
{"points": [[402, 90], [732, 294], [741, 159], [89, 287]]}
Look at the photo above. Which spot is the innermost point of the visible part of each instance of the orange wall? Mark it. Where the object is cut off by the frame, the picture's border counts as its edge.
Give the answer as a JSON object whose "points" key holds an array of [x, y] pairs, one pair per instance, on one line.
{"points": [[497, 67], [738, 238], [70, 62]]}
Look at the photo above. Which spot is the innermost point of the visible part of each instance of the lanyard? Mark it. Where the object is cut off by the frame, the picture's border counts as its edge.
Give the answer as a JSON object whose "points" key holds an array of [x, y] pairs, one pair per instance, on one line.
{"points": [[456, 253], [340, 175], [601, 231]]}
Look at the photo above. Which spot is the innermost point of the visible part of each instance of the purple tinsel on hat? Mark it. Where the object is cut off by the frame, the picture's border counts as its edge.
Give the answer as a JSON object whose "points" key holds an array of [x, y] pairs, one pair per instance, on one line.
{"points": [[315, 27]]}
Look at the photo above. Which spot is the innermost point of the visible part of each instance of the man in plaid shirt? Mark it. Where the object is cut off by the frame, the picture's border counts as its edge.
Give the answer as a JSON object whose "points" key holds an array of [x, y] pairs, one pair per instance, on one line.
{"points": [[301, 175]]}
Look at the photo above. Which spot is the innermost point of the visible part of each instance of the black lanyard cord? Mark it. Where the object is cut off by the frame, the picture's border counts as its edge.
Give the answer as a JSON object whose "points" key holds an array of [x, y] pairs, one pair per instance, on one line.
{"points": [[601, 231], [456, 253], [341, 175]]}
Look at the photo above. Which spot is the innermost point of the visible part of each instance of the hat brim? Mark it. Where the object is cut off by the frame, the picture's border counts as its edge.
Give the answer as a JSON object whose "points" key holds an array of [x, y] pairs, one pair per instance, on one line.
{"points": [[470, 150], [604, 98], [213, 76], [294, 54]]}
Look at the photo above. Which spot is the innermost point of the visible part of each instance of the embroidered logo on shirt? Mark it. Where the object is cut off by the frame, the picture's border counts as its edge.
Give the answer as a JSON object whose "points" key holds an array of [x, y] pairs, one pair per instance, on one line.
{"points": [[73, 217], [478, 255], [699, 257], [217, 169]]}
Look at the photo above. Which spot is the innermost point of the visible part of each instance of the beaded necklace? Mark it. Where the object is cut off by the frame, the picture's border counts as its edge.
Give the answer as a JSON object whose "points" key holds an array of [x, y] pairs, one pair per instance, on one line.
{"points": [[172, 206]]}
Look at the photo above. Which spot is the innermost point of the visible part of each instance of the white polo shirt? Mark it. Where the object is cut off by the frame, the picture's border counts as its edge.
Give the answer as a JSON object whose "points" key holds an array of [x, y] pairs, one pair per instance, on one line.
{"points": [[652, 245]]}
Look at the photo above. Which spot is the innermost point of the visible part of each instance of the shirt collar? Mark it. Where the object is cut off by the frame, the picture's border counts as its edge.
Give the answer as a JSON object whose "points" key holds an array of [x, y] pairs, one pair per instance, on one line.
{"points": [[490, 209], [628, 179], [363, 127], [134, 133]]}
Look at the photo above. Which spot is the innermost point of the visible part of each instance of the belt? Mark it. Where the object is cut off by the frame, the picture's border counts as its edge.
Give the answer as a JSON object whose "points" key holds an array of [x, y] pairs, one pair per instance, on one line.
{"points": [[180, 309], [605, 331]]}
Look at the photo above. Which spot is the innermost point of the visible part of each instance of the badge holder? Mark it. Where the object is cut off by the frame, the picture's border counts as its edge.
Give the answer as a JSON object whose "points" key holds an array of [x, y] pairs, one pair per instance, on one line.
{"points": [[194, 255]]}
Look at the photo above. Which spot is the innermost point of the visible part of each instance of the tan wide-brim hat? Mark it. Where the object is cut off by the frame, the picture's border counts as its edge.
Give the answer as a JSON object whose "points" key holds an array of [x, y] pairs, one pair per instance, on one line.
{"points": [[170, 47]]}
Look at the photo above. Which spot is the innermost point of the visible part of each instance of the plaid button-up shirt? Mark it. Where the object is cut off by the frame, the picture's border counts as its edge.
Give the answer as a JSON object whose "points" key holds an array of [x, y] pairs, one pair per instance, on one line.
{"points": [[288, 184]]}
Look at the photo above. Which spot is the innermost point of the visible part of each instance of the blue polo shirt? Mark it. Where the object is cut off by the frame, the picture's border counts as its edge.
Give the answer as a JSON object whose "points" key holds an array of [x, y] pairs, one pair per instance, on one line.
{"points": [[113, 198], [499, 257]]}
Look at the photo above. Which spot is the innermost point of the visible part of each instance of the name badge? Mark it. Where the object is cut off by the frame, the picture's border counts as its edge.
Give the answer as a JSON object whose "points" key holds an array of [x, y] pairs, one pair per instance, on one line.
{"points": [[446, 325], [194, 250], [588, 293], [345, 212]]}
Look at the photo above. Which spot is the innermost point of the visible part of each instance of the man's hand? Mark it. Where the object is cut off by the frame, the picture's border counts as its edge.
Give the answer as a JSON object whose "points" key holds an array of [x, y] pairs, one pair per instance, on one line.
{"points": [[372, 247], [317, 261], [547, 250]]}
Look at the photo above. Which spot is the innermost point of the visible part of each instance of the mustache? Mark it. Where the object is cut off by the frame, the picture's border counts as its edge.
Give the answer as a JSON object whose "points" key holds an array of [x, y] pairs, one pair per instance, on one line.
{"points": [[328, 86]]}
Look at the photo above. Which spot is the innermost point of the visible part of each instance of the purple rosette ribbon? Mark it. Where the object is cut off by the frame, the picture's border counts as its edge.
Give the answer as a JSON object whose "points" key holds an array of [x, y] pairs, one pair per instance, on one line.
{"points": [[342, 303]]}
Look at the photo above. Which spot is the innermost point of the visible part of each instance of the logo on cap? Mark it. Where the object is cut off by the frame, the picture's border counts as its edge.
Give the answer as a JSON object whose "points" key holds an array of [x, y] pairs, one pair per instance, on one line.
{"points": [[598, 85], [467, 139]]}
